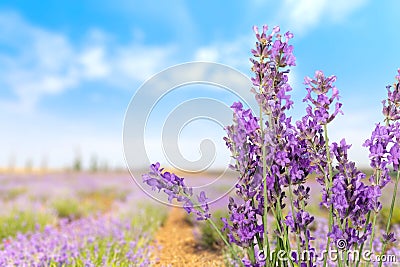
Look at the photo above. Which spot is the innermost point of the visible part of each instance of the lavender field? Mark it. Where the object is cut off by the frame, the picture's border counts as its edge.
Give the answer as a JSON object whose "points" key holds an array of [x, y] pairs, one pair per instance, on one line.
{"points": [[186, 133], [76, 220], [87, 219]]}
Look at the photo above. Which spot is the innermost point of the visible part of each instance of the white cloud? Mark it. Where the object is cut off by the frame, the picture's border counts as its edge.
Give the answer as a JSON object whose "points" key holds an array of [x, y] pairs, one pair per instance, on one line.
{"points": [[43, 62], [208, 53], [175, 16], [303, 15], [234, 53], [36, 62], [94, 63], [137, 63]]}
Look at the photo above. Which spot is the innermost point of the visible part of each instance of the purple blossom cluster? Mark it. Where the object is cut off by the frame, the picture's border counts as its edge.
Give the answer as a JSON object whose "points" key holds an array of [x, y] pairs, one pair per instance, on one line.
{"points": [[321, 231], [175, 188], [271, 55], [33, 234], [382, 153], [344, 193], [321, 96], [322, 86], [384, 147], [391, 106], [274, 158], [243, 226], [295, 152], [86, 242]]}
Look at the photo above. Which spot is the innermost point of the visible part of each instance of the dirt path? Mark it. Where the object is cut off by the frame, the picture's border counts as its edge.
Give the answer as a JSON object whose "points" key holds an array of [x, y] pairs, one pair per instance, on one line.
{"points": [[178, 246]]}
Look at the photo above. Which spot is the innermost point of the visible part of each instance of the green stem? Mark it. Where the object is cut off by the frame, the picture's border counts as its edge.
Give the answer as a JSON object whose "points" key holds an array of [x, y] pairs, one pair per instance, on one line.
{"points": [[390, 214], [233, 251], [211, 222], [377, 178], [372, 235], [281, 241], [264, 179], [251, 254], [294, 219], [362, 245], [231, 248], [303, 206], [344, 261], [328, 187], [393, 202], [275, 216]]}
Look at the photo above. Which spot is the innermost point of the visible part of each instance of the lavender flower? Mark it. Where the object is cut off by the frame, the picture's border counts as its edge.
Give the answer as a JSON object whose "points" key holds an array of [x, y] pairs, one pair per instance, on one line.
{"points": [[77, 244], [322, 96], [391, 107], [268, 153], [303, 219], [388, 238], [175, 188], [274, 157], [243, 224], [243, 141], [379, 149], [321, 86]]}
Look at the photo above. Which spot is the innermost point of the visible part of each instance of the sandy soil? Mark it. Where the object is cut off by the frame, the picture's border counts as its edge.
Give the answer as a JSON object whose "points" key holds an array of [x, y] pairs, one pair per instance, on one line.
{"points": [[178, 245]]}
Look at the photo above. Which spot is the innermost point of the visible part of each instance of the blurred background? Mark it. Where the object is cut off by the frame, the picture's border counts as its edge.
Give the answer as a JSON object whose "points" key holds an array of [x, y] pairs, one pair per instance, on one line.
{"points": [[68, 69]]}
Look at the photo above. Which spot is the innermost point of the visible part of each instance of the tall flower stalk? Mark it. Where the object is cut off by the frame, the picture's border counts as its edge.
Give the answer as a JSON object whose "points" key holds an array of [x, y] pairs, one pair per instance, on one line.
{"points": [[174, 186], [272, 57], [274, 158], [391, 112], [318, 116]]}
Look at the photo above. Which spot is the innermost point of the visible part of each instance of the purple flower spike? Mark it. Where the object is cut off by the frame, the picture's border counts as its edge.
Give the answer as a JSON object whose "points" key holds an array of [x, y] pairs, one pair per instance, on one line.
{"points": [[391, 107], [175, 188], [322, 86], [388, 238], [274, 158]]}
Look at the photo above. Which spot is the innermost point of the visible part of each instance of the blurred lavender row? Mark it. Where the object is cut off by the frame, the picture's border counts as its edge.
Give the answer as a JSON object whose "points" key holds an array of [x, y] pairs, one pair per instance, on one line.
{"points": [[76, 220], [97, 241]]}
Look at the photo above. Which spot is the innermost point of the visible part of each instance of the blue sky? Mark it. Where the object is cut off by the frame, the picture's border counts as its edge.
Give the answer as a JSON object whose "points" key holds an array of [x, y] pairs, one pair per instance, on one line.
{"points": [[68, 69]]}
